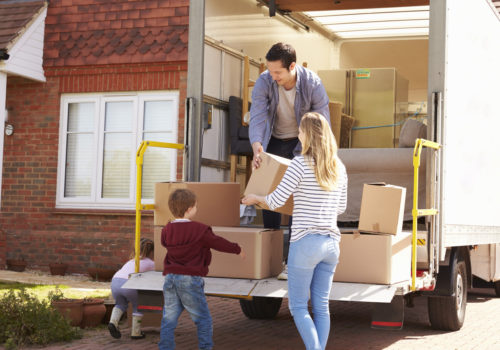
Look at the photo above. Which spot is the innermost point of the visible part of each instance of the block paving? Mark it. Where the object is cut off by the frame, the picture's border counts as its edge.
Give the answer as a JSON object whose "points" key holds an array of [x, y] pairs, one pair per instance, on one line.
{"points": [[350, 328]]}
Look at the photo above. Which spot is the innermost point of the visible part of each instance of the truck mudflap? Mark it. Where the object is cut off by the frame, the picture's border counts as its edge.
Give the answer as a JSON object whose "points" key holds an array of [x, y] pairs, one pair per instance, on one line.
{"points": [[274, 288]]}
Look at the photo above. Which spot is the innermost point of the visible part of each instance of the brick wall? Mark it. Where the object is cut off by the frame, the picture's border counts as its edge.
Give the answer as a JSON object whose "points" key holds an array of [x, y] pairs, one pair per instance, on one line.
{"points": [[34, 228], [90, 46]]}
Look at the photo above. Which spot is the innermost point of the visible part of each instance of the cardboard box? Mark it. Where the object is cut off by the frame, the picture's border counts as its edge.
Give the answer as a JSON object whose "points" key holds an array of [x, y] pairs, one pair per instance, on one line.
{"points": [[263, 249], [335, 109], [267, 177], [160, 251], [149, 319], [370, 258], [218, 202], [382, 208]]}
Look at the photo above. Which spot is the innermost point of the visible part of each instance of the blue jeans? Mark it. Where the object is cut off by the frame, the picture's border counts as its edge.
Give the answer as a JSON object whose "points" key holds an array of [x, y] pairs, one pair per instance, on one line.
{"points": [[185, 292], [311, 265]]}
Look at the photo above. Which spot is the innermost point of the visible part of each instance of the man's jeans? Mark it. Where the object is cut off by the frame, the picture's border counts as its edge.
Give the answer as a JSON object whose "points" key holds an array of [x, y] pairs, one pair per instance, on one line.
{"points": [[185, 292], [311, 263]]}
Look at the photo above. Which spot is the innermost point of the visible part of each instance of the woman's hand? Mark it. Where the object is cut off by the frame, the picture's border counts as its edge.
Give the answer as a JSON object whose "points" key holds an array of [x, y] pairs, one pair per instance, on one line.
{"points": [[251, 199]]}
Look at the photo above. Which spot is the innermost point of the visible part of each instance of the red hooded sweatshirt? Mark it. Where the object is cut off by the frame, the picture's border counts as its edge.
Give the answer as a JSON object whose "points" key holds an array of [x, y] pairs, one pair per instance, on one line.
{"points": [[188, 246]]}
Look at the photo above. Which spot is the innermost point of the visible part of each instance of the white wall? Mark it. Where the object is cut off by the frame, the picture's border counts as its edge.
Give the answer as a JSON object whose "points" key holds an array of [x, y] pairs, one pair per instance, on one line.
{"points": [[244, 26]]}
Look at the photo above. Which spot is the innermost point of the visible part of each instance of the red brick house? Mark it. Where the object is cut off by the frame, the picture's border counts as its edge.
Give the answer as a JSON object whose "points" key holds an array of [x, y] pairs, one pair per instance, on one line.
{"points": [[113, 73]]}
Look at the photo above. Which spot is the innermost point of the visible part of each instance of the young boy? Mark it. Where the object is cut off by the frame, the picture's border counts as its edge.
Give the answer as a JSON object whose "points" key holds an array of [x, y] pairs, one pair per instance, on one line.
{"points": [[188, 246]]}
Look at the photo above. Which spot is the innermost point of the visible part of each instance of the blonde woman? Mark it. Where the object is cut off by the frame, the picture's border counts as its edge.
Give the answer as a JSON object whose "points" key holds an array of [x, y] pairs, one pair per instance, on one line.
{"points": [[317, 180]]}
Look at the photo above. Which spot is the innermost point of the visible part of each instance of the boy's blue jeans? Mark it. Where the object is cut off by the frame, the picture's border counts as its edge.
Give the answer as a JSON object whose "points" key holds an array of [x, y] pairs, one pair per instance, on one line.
{"points": [[185, 292], [311, 265]]}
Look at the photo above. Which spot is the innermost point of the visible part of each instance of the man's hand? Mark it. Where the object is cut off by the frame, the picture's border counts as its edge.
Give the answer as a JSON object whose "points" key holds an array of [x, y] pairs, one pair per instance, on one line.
{"points": [[257, 150]]}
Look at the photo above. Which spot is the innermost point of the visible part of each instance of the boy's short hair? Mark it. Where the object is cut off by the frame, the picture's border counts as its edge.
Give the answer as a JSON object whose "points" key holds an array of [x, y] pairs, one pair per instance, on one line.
{"points": [[180, 201]]}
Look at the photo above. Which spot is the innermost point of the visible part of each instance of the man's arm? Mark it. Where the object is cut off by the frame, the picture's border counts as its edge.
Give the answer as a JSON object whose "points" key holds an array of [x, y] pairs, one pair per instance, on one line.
{"points": [[259, 117], [320, 100]]}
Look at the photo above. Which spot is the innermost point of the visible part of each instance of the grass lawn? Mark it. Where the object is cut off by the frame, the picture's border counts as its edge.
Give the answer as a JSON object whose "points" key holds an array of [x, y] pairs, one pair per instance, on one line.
{"points": [[42, 291]]}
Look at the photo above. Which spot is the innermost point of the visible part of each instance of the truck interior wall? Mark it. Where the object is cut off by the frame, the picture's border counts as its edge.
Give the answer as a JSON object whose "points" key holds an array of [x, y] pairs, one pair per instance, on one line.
{"points": [[222, 77], [409, 57], [471, 123], [244, 26]]}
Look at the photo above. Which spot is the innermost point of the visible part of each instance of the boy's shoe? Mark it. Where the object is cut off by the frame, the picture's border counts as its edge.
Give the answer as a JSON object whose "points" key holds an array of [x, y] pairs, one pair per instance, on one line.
{"points": [[284, 274]]}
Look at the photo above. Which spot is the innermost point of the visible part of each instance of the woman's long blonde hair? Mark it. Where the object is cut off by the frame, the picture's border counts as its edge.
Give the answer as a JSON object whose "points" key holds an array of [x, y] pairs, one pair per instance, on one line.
{"points": [[319, 145]]}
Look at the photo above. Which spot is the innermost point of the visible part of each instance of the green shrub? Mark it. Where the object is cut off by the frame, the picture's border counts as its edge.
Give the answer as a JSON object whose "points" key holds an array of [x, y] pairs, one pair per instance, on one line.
{"points": [[26, 320]]}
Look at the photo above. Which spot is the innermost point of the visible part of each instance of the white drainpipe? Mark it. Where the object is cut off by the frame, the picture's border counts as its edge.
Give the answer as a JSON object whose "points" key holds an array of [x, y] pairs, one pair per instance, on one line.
{"points": [[3, 95]]}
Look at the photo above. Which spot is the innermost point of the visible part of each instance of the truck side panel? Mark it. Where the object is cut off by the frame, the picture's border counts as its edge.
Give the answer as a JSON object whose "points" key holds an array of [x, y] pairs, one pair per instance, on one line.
{"points": [[465, 70]]}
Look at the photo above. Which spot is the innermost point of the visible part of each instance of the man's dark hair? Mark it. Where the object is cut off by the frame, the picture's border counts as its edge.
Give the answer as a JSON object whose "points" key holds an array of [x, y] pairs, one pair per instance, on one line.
{"points": [[180, 201], [282, 52]]}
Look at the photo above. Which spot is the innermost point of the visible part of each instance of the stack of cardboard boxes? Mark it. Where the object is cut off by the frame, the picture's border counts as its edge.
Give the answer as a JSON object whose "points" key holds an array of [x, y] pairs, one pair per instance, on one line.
{"points": [[379, 251], [218, 206]]}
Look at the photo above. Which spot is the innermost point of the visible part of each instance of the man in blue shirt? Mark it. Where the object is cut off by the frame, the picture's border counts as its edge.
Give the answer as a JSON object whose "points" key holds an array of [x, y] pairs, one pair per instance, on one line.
{"points": [[280, 97]]}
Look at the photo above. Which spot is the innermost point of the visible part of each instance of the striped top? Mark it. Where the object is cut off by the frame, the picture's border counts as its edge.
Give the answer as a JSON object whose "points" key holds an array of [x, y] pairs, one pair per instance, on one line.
{"points": [[314, 209]]}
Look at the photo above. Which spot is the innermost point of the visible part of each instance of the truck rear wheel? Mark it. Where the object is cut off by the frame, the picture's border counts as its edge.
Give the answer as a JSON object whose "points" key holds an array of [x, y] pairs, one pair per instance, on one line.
{"points": [[497, 288], [261, 307], [448, 313]]}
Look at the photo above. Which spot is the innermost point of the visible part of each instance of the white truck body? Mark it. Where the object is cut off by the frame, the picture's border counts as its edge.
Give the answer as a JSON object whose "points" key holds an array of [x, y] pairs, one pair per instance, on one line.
{"points": [[463, 86]]}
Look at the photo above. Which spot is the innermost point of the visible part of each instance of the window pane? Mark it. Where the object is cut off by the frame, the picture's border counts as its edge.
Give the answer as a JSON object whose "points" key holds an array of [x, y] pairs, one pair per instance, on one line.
{"points": [[158, 163], [119, 116], [79, 165], [158, 115], [116, 167], [81, 117]]}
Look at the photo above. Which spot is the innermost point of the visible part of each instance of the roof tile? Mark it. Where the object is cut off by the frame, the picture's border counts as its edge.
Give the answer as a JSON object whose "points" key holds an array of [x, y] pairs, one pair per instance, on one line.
{"points": [[124, 31], [15, 17]]}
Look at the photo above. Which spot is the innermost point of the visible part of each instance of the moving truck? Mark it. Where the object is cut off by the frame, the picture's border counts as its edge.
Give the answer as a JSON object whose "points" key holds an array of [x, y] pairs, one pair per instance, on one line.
{"points": [[448, 50]]}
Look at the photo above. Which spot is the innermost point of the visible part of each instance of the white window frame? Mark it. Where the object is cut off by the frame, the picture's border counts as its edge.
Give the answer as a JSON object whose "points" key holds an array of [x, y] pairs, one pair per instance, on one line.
{"points": [[138, 98]]}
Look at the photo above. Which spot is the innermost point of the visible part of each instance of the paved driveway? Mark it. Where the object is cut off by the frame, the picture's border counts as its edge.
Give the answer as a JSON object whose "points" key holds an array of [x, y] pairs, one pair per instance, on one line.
{"points": [[350, 329]]}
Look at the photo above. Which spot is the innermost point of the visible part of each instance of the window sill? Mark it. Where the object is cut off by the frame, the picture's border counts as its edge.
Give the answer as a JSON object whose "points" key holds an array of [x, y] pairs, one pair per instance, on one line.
{"points": [[125, 212]]}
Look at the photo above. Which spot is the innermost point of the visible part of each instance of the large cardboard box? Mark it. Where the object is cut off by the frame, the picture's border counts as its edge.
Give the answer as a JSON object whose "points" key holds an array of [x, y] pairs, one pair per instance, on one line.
{"points": [[335, 109], [160, 251], [382, 208], [263, 249], [370, 258], [267, 177], [218, 202]]}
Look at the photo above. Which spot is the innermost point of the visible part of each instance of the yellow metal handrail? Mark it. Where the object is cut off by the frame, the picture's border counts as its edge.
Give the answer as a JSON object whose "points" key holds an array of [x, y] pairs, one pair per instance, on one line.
{"points": [[419, 143], [139, 161]]}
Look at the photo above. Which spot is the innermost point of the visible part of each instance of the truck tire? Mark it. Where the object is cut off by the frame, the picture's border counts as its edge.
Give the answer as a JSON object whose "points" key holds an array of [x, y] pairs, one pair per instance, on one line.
{"points": [[497, 288], [448, 312], [261, 307]]}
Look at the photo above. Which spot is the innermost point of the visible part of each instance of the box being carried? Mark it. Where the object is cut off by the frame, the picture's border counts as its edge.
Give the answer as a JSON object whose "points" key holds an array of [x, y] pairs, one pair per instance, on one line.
{"points": [[218, 202], [263, 249], [382, 208], [267, 177]]}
